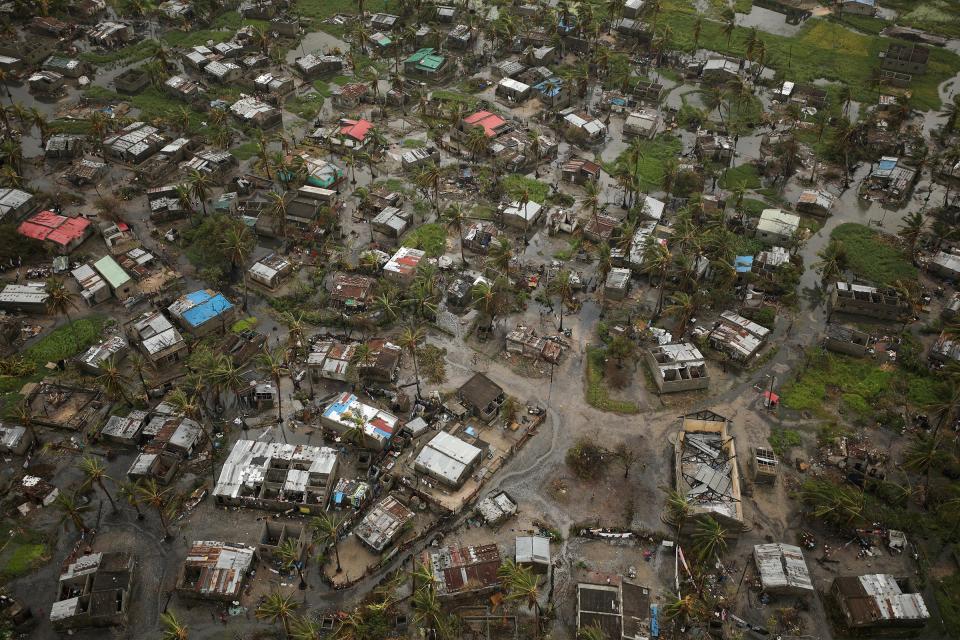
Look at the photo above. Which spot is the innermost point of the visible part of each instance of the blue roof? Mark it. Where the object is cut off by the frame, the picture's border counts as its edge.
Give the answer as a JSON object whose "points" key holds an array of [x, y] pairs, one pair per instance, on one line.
{"points": [[198, 296], [743, 264], [550, 87], [887, 164], [207, 310]]}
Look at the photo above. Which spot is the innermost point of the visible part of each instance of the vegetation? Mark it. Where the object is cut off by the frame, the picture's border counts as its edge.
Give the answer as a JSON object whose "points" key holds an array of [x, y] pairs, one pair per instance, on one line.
{"points": [[431, 238], [305, 106], [872, 255], [207, 247], [128, 54], [598, 391], [523, 189], [744, 175], [653, 157], [24, 550], [585, 459]]}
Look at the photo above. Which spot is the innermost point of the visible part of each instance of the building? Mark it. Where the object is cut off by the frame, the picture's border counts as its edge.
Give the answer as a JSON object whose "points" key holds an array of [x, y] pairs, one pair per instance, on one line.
{"points": [[347, 414], [617, 284], [223, 72], [121, 284], [58, 233], [313, 65], [109, 34], [125, 430], [275, 535], [580, 171], [525, 341], [274, 84], [496, 509], [677, 367], [67, 67], [271, 270], [512, 90], [428, 64], [706, 472], [521, 215], [815, 202], [392, 222], [350, 95], [633, 8], [533, 552], [15, 440], [203, 312], [858, 7], [482, 397], [134, 143], [719, 71], [402, 266], [351, 292], [905, 58], [737, 336], [113, 349], [782, 569], [712, 147], [479, 236], [642, 123], [448, 459], [93, 591], [84, 171], [621, 609], [350, 493], [350, 134], [492, 125], [215, 570], [463, 571], [253, 111], [159, 340], [331, 360], [872, 302], [383, 21], [28, 298], [278, 477], [419, 157], [889, 181], [878, 601], [946, 265], [764, 465], [583, 127], [15, 204], [846, 340], [93, 289], [184, 88], [775, 226], [383, 523]]}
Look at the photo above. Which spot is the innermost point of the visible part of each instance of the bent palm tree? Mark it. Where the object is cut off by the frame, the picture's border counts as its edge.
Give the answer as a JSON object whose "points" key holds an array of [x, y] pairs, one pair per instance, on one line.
{"points": [[95, 474], [278, 607], [173, 628], [326, 531]]}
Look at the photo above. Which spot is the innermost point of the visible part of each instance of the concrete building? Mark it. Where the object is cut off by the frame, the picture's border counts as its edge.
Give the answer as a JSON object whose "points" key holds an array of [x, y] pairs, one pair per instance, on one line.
{"points": [[278, 477], [346, 413], [643, 123], [777, 227], [67, 67], [448, 459], [15, 204], [29, 298], [93, 591], [402, 267], [496, 509], [313, 65], [512, 90], [521, 215], [271, 270], [392, 222], [203, 312], [463, 571], [482, 397], [617, 284], [620, 608], [677, 367], [253, 111], [273, 535], [93, 288], [847, 340], [858, 7], [764, 465], [946, 265], [215, 570], [533, 552], [112, 349], [121, 284], [351, 292], [872, 302], [706, 471], [158, 339], [782, 569], [125, 430], [905, 58], [878, 601], [737, 336], [582, 127], [134, 143], [428, 64], [815, 202], [383, 523]]}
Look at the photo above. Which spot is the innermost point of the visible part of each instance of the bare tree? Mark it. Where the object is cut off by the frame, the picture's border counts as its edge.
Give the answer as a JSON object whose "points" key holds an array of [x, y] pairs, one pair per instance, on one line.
{"points": [[626, 457]]}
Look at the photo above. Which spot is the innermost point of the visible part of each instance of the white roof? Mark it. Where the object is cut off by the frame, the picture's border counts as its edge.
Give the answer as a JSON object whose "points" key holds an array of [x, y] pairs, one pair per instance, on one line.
{"points": [[515, 85], [528, 212], [447, 456], [778, 221], [782, 567], [249, 460], [533, 549]]}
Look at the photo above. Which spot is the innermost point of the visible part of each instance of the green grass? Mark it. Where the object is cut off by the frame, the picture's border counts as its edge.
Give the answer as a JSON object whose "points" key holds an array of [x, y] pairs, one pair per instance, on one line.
{"points": [[745, 174], [323, 88], [871, 256], [444, 95], [341, 80], [753, 208], [783, 439], [131, 53], [244, 151], [22, 557], [243, 324], [413, 143], [947, 594], [655, 153], [821, 49], [598, 391], [431, 238], [514, 185], [572, 248], [80, 127], [305, 106], [96, 92], [865, 24], [937, 16], [152, 103]]}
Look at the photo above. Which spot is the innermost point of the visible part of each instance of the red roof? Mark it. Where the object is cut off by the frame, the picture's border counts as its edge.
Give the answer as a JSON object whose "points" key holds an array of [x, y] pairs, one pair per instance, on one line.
{"points": [[356, 129], [47, 225], [489, 121]]}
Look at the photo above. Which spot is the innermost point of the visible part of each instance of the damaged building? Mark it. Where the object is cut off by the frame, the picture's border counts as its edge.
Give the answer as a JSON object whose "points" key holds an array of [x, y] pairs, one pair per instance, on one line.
{"points": [[677, 367], [215, 570]]}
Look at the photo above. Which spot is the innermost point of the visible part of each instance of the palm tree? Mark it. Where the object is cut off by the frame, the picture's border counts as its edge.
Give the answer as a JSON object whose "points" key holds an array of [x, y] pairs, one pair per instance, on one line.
{"points": [[522, 585], [278, 607], [99, 126], [697, 30], [278, 211], [200, 185], [112, 380], [429, 178], [272, 363], [290, 554], [152, 495], [237, 244], [386, 305], [41, 124], [428, 611], [305, 628], [912, 229], [729, 25], [657, 259], [409, 339], [923, 455], [678, 509], [173, 628], [140, 364], [832, 263], [128, 491], [683, 306], [604, 261], [326, 531], [840, 505], [60, 301], [561, 287], [710, 538], [500, 254], [477, 142], [593, 632], [455, 215], [71, 511], [95, 473]]}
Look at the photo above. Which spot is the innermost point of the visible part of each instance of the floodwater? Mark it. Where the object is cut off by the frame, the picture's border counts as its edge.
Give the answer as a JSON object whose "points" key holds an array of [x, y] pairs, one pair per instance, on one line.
{"points": [[769, 21], [317, 41]]}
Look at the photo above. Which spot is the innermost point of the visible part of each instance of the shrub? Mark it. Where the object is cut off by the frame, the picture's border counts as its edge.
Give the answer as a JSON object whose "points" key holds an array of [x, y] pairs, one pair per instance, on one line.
{"points": [[585, 459]]}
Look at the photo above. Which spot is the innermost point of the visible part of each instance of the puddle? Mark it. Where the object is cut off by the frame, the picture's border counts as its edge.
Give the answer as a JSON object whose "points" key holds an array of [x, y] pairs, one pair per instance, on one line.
{"points": [[317, 41], [769, 21]]}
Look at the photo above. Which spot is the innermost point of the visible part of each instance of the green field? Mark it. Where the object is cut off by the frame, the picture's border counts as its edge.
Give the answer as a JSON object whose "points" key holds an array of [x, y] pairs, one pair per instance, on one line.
{"points": [[515, 184], [431, 238], [873, 256], [655, 153]]}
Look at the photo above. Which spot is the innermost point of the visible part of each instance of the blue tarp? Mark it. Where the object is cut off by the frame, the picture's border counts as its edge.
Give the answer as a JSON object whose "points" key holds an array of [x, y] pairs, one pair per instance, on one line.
{"points": [[198, 296], [208, 310], [743, 264], [654, 622], [550, 88]]}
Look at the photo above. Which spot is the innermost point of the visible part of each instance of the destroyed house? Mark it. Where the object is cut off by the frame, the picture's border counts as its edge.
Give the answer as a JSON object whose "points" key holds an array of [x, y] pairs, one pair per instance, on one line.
{"points": [[877, 601], [525, 341], [109, 34], [581, 171], [905, 58], [383, 523], [482, 396], [463, 571], [706, 472], [274, 83], [278, 477], [93, 360], [351, 292], [216, 164], [347, 413], [677, 367], [183, 88], [134, 143], [93, 591], [497, 508], [45, 82], [873, 302], [448, 459], [847, 340], [83, 172], [313, 65], [215, 570], [737, 336], [479, 236], [125, 430], [15, 440], [782, 569], [270, 270], [174, 435], [622, 610], [402, 266], [159, 340], [254, 111]]}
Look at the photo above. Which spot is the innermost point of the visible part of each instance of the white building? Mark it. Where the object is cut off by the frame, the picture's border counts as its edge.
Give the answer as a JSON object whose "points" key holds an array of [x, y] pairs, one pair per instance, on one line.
{"points": [[776, 226], [448, 459]]}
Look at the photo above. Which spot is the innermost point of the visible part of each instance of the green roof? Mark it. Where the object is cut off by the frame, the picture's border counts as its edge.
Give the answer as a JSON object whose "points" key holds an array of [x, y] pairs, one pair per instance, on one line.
{"points": [[420, 55], [432, 62], [384, 41], [112, 272]]}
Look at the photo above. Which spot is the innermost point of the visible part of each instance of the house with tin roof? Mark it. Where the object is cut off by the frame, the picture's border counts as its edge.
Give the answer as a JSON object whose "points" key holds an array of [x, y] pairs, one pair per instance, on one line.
{"points": [[58, 233], [347, 414], [428, 64], [203, 312]]}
